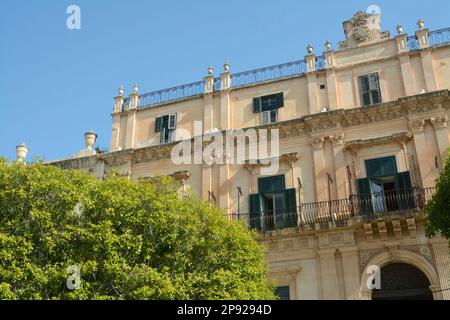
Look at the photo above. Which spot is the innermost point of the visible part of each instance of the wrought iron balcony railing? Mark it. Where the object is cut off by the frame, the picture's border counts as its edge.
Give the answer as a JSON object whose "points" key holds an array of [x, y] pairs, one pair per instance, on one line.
{"points": [[365, 206], [435, 38], [276, 72]]}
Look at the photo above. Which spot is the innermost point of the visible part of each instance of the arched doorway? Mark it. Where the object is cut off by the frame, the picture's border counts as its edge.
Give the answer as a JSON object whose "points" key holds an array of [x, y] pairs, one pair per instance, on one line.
{"points": [[401, 281]]}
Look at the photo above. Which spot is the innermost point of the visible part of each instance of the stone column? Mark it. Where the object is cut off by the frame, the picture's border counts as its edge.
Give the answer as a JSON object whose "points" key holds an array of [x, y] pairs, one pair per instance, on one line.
{"points": [[312, 83], [440, 127], [339, 166], [225, 123], [328, 272], [131, 118], [442, 258], [208, 100], [427, 60], [405, 65], [319, 169], [225, 107], [119, 105], [427, 173], [352, 277], [206, 180], [332, 89]]}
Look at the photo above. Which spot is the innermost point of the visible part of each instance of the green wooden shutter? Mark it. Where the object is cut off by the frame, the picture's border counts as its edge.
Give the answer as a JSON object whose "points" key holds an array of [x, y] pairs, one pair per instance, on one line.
{"points": [[375, 88], [257, 105], [381, 167], [280, 100], [172, 121], [404, 190], [365, 196], [255, 211], [290, 203], [364, 90], [158, 124], [282, 292]]}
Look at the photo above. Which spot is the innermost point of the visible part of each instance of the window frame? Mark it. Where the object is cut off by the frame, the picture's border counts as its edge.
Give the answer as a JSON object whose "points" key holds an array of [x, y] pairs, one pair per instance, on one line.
{"points": [[371, 78]]}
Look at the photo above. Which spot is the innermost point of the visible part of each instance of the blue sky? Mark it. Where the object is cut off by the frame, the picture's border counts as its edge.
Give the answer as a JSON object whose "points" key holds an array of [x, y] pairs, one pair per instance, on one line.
{"points": [[56, 83]]}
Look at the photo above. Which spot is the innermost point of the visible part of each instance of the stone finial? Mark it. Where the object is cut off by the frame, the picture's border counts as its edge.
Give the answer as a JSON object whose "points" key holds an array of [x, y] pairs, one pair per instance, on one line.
{"points": [[21, 152], [136, 88], [328, 46], [89, 139], [310, 49], [121, 91], [420, 24], [399, 29], [226, 67], [210, 71]]}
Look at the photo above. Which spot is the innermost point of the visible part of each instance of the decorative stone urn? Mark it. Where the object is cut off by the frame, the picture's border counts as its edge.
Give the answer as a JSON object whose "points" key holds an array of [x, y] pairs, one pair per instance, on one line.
{"points": [[399, 29], [210, 71], [121, 91], [89, 139], [136, 88], [226, 67], [420, 24], [328, 46], [309, 49], [21, 152]]}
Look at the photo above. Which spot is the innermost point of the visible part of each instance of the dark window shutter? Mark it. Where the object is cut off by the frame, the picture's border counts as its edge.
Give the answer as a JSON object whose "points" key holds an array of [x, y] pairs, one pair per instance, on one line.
{"points": [[381, 167], [271, 184], [282, 292], [172, 121], [366, 98], [257, 105], [365, 196], [280, 100], [364, 90], [404, 190], [290, 203], [255, 211], [158, 124]]}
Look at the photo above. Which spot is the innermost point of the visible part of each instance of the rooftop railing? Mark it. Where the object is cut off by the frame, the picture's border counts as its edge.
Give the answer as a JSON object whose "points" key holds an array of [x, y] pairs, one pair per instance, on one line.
{"points": [[339, 212], [280, 71], [276, 72], [435, 38]]}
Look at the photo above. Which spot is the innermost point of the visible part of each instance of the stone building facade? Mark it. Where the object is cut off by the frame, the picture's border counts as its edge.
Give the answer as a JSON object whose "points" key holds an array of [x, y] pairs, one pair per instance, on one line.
{"points": [[362, 138]]}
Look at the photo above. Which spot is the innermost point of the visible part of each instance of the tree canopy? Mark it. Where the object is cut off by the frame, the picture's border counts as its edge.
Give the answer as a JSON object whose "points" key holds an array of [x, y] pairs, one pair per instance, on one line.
{"points": [[438, 210], [128, 239]]}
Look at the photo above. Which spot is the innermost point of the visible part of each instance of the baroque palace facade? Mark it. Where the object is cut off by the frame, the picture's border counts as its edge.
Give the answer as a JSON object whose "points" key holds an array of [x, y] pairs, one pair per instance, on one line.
{"points": [[362, 138]]}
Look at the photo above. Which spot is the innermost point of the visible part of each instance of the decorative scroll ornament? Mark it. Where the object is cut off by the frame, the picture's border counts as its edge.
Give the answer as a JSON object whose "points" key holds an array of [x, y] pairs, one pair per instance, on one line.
{"points": [[362, 27]]}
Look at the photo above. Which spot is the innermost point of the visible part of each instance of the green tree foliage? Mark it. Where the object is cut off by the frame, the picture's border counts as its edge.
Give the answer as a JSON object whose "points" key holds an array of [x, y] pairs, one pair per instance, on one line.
{"points": [[438, 210], [130, 240]]}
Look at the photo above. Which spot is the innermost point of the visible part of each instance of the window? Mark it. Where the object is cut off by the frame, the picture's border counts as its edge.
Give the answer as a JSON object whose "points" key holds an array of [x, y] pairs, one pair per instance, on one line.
{"points": [[166, 125], [267, 117], [283, 292], [369, 87], [268, 107]]}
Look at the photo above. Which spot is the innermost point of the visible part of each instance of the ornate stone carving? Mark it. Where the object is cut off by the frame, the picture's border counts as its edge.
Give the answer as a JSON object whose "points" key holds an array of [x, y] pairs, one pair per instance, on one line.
{"points": [[362, 27], [418, 125], [440, 122], [317, 143], [338, 139]]}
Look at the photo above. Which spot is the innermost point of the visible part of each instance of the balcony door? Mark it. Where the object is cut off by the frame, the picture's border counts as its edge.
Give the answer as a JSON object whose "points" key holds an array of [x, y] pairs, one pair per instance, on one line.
{"points": [[385, 189], [274, 206], [273, 210]]}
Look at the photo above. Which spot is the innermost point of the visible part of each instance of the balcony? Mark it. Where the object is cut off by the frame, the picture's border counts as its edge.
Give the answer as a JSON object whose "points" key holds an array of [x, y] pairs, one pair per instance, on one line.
{"points": [[337, 213]]}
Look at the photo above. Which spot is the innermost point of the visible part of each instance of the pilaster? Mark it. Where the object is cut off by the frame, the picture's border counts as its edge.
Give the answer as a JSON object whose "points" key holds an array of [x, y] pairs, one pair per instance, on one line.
{"points": [[442, 258]]}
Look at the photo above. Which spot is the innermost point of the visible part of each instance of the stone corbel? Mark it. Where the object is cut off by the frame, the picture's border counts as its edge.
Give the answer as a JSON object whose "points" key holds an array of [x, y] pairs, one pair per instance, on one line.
{"points": [[368, 231]]}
